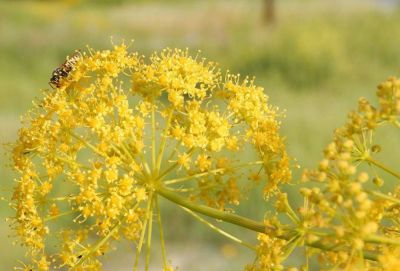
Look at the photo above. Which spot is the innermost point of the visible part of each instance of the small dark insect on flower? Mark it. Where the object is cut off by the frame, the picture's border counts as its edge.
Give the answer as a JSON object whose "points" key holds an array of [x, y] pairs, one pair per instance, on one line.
{"points": [[64, 69]]}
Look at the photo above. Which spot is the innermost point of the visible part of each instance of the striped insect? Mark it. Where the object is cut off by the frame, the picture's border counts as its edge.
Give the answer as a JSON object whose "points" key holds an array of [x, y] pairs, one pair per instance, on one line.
{"points": [[64, 70]]}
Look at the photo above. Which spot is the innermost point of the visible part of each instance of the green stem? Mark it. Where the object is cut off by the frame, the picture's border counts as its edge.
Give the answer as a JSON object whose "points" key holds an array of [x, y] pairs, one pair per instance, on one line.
{"points": [[71, 162], [160, 227], [59, 215], [149, 234], [211, 212], [213, 171], [292, 215], [87, 144], [172, 167], [139, 246], [383, 196], [163, 142], [373, 238], [218, 230], [194, 176], [153, 138], [382, 166], [94, 249], [291, 246], [239, 220]]}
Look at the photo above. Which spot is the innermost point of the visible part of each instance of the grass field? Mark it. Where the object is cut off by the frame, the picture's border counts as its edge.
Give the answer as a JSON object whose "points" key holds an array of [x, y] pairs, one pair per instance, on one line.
{"points": [[314, 62]]}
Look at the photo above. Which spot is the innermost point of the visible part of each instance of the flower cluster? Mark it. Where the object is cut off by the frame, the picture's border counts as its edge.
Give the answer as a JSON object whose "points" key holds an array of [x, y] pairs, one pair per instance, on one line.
{"points": [[350, 215], [94, 152], [118, 132]]}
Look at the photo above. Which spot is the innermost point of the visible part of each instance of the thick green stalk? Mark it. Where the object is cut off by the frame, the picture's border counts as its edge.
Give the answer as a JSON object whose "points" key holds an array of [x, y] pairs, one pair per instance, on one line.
{"points": [[239, 220], [211, 212]]}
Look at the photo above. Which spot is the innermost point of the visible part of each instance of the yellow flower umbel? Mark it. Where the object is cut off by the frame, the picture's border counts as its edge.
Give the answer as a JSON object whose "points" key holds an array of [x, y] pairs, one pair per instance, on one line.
{"points": [[118, 132], [350, 215]]}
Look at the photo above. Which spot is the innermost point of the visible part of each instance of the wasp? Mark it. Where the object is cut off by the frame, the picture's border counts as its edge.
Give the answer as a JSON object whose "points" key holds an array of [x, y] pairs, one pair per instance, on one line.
{"points": [[64, 70]]}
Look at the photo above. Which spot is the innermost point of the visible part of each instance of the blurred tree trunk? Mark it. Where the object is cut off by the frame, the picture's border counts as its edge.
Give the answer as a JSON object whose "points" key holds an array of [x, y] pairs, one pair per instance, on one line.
{"points": [[269, 11]]}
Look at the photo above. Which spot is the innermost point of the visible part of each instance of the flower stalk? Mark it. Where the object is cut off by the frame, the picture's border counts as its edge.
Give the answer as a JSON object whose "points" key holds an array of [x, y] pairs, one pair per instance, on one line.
{"points": [[249, 223], [382, 166]]}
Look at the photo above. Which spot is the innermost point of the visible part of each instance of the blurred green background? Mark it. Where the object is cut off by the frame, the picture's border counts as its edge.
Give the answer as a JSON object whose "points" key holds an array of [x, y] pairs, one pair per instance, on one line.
{"points": [[314, 58]]}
